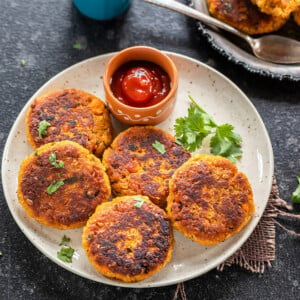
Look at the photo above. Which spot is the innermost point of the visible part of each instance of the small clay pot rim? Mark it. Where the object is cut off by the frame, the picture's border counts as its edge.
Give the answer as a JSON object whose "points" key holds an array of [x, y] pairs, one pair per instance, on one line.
{"points": [[124, 52]]}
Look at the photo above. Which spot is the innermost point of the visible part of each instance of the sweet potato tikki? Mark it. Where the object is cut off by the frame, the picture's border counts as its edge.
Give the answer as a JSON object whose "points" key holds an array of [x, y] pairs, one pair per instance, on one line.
{"points": [[245, 16], [61, 183], [141, 160], [128, 238], [278, 8], [69, 114], [209, 200], [296, 15]]}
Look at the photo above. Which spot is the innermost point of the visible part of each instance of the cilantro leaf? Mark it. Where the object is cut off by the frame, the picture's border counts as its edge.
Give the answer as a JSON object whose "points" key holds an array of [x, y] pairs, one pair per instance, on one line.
{"points": [[53, 161], [64, 241], [139, 202], [65, 254], [23, 63], [226, 142], [77, 46], [190, 131], [54, 186], [42, 130], [296, 193], [159, 147]]}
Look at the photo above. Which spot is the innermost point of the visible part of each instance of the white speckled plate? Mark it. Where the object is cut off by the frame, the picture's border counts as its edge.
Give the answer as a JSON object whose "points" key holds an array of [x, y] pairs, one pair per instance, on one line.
{"points": [[219, 97]]}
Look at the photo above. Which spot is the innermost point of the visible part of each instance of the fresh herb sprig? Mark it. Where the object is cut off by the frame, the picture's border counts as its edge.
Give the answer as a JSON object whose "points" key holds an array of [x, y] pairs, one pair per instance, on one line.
{"points": [[296, 193], [159, 147], [54, 162], [42, 130], [139, 202], [66, 254], [54, 186], [190, 131], [64, 241]]}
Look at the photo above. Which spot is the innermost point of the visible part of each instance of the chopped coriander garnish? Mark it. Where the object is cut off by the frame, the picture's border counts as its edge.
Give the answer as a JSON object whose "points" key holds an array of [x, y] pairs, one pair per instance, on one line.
{"points": [[23, 62], [139, 202], [64, 241], [42, 130], [53, 161], [159, 147], [54, 186], [191, 130], [296, 193], [65, 254], [77, 46]]}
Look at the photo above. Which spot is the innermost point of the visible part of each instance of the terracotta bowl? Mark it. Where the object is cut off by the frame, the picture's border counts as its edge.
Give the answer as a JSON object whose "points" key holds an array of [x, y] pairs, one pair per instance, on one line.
{"points": [[149, 115]]}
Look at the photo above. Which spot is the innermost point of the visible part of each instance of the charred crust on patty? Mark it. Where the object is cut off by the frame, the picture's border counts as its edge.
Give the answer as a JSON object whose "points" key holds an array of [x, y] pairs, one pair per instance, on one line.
{"points": [[134, 166], [209, 200], [83, 185], [128, 242], [278, 8], [296, 16], [245, 16], [73, 115]]}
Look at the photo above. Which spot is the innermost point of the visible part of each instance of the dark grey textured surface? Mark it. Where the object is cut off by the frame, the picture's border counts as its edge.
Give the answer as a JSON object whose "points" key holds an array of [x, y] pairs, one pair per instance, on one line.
{"points": [[43, 33]]}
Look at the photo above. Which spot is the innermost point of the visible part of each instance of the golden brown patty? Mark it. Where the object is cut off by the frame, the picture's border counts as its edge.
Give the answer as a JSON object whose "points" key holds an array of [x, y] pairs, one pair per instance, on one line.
{"points": [[60, 184], [277, 8], [244, 15], [209, 199], [71, 115], [296, 15], [134, 166], [128, 239]]}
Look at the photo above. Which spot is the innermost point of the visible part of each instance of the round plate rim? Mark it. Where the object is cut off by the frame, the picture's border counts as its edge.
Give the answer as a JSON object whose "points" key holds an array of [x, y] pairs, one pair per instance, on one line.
{"points": [[140, 284]]}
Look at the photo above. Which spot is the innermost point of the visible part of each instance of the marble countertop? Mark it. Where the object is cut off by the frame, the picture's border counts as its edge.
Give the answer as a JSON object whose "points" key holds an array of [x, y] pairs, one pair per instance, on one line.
{"points": [[41, 34]]}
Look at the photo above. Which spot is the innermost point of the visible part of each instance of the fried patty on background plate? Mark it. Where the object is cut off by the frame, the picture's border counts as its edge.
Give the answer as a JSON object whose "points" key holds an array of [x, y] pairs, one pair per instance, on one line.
{"points": [[277, 8], [244, 16], [296, 15]]}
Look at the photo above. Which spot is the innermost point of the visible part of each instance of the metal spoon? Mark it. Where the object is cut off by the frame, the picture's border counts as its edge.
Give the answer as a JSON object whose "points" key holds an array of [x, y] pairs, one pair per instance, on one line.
{"points": [[272, 48]]}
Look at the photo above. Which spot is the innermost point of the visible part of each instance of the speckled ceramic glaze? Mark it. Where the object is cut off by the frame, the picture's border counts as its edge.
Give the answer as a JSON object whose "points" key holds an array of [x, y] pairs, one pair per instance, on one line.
{"points": [[220, 98], [150, 115]]}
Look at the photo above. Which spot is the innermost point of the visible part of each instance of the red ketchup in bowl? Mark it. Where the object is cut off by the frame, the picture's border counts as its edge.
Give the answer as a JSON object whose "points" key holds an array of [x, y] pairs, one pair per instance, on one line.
{"points": [[140, 83]]}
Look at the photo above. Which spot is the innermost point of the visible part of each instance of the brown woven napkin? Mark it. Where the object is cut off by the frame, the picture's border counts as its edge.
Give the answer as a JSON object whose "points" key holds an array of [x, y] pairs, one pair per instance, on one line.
{"points": [[259, 250]]}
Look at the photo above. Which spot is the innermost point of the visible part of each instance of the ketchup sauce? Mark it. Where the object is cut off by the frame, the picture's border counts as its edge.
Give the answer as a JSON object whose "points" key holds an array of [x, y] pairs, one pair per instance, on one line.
{"points": [[140, 83]]}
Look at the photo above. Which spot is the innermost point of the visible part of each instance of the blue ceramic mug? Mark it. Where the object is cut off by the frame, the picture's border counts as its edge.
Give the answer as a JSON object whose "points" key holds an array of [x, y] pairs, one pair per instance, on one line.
{"points": [[101, 9]]}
